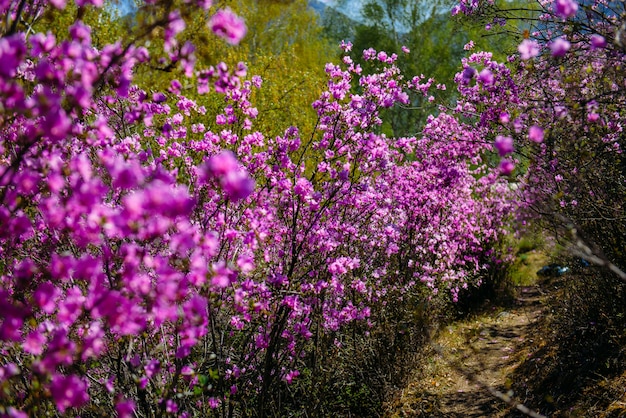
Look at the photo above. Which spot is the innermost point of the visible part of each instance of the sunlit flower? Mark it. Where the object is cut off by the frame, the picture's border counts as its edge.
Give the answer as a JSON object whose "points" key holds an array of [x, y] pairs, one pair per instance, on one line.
{"points": [[528, 49], [535, 134], [228, 25], [559, 47], [565, 8]]}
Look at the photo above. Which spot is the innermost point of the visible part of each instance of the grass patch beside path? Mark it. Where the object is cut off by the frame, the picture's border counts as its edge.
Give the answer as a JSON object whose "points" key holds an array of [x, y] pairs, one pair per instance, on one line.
{"points": [[523, 272], [467, 355], [559, 346]]}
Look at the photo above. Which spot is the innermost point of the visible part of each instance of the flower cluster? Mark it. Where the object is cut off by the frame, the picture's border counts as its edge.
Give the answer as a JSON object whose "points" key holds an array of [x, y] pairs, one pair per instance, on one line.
{"points": [[161, 260], [564, 115]]}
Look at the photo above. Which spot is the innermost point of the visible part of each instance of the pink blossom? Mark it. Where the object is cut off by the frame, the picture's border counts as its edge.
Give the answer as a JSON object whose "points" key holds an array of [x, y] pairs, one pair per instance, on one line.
{"points": [[535, 134], [528, 49], [34, 343], [57, 124], [12, 51], [68, 391], [221, 164], [506, 167], [228, 25], [565, 8], [214, 402], [237, 185], [559, 47], [486, 77], [593, 117], [96, 3], [468, 74], [290, 376], [118, 233], [59, 4], [597, 41], [233, 178], [504, 145], [125, 408], [46, 296], [171, 406]]}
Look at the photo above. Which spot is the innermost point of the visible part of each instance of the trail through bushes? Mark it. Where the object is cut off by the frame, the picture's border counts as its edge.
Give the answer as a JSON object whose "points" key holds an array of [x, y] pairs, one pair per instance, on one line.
{"points": [[556, 348]]}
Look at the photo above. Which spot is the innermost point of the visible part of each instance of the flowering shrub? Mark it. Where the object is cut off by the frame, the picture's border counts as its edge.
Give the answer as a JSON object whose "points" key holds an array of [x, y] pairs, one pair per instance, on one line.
{"points": [[566, 119], [565, 115], [151, 266]]}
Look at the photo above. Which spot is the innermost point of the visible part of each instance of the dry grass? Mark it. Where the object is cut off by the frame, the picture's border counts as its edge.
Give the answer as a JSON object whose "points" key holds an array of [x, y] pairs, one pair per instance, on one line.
{"points": [[466, 356], [580, 370], [558, 344]]}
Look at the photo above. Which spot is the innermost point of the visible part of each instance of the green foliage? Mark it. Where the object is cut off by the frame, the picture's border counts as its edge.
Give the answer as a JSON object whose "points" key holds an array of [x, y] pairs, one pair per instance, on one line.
{"points": [[436, 42], [106, 25], [284, 45]]}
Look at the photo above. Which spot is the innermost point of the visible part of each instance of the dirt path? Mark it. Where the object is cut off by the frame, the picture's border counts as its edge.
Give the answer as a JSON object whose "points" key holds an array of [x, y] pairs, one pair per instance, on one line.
{"points": [[469, 359]]}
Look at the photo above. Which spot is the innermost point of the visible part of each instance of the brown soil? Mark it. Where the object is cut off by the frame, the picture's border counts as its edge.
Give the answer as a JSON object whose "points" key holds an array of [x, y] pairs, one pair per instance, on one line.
{"points": [[468, 367]]}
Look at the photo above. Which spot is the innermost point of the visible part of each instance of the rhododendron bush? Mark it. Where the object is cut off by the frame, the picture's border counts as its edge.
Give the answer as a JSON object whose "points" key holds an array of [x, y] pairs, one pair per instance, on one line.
{"points": [[152, 265], [563, 110]]}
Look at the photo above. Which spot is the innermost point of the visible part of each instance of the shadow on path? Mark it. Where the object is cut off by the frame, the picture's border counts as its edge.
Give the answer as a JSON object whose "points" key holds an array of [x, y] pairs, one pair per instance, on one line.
{"points": [[470, 363]]}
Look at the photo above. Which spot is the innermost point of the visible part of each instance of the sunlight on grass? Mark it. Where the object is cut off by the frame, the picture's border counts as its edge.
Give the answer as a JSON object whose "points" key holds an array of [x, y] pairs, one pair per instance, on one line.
{"points": [[523, 272]]}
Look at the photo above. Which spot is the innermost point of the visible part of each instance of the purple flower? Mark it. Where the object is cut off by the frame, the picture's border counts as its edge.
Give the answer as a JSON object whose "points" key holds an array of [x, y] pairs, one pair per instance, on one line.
{"points": [[159, 97], [45, 297], [486, 77], [597, 41], [559, 47], [12, 51], [535, 134], [68, 391], [528, 49], [14, 413], [57, 124], [97, 3], [81, 32], [506, 167], [593, 117], [504, 145], [221, 119], [468, 74], [214, 403], [233, 178], [565, 8], [152, 368], [171, 406], [59, 4], [228, 25], [125, 409], [42, 43], [222, 164], [237, 185], [34, 343], [290, 376], [346, 46]]}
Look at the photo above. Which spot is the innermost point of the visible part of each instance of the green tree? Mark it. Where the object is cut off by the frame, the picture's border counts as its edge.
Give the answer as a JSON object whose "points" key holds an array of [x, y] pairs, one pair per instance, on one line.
{"points": [[435, 39], [284, 44]]}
